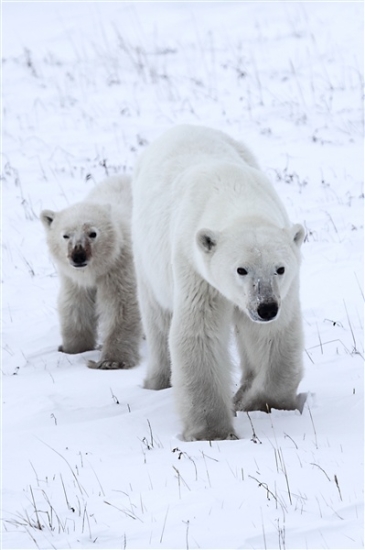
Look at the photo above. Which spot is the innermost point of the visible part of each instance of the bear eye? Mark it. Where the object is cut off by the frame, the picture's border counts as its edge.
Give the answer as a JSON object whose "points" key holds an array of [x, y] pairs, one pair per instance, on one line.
{"points": [[280, 270], [241, 271], [66, 236], [92, 234]]}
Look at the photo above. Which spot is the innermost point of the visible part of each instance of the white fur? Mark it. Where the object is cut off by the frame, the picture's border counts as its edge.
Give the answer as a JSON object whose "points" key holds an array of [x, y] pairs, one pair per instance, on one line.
{"points": [[202, 209], [91, 246]]}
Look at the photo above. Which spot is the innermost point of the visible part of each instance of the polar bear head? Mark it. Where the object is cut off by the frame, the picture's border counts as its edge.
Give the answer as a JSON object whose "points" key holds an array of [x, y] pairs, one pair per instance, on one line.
{"points": [[254, 265], [83, 239]]}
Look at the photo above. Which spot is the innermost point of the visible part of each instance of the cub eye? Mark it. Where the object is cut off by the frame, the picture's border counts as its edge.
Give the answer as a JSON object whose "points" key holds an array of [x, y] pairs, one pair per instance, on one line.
{"points": [[280, 270], [66, 236], [92, 234], [241, 271]]}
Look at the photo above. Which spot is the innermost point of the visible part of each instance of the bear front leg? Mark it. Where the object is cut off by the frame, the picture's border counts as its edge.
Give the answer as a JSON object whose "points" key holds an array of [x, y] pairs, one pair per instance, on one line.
{"points": [[76, 309], [200, 361], [285, 366], [119, 317], [271, 361], [246, 397]]}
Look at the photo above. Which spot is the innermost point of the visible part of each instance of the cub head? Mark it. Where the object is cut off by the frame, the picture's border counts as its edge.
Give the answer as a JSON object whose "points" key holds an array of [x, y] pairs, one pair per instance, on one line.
{"points": [[252, 265], [82, 238]]}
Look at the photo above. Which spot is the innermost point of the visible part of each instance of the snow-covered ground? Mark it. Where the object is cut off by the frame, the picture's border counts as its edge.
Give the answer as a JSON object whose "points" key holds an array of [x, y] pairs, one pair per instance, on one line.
{"points": [[90, 459]]}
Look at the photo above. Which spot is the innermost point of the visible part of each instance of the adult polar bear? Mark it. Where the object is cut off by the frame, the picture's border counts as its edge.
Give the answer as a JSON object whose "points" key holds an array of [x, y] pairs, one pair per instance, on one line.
{"points": [[213, 246]]}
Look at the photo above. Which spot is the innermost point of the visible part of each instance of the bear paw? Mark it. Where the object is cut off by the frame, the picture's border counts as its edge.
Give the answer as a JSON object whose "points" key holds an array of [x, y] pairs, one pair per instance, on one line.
{"points": [[75, 349], [245, 403], [160, 382], [209, 434], [108, 365]]}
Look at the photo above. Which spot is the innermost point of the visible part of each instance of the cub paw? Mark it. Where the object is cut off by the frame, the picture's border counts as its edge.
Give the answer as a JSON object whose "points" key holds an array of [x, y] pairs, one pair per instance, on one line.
{"points": [[108, 365]]}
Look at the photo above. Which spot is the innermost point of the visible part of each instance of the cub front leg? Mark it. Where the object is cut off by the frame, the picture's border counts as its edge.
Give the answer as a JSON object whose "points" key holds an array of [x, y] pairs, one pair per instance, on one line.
{"points": [[200, 360], [119, 317], [76, 309]]}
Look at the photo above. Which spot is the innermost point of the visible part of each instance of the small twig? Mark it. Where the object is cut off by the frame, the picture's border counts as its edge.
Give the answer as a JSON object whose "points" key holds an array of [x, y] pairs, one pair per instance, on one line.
{"points": [[320, 341], [338, 486], [263, 531], [187, 534], [34, 470], [116, 401], [325, 473], [206, 469], [283, 467], [309, 356], [266, 487], [39, 525], [64, 490], [98, 480], [179, 477], [355, 350], [254, 437], [81, 489], [164, 524], [183, 453], [314, 428], [85, 514], [362, 293], [291, 439], [151, 434], [126, 512]]}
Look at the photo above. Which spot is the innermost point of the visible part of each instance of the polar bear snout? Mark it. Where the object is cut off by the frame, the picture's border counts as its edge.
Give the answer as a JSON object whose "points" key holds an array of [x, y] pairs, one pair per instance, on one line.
{"points": [[264, 299], [79, 256], [267, 311], [264, 311]]}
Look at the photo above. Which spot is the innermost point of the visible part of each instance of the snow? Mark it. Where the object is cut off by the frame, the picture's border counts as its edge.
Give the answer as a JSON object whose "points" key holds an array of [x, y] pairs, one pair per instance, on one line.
{"points": [[91, 459]]}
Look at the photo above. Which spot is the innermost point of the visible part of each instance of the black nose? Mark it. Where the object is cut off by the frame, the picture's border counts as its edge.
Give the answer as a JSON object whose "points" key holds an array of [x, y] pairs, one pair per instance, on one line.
{"points": [[79, 256], [268, 310]]}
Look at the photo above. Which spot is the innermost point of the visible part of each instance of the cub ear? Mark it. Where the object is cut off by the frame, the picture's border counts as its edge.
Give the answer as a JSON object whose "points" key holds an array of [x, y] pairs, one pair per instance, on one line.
{"points": [[47, 217], [298, 234], [207, 240]]}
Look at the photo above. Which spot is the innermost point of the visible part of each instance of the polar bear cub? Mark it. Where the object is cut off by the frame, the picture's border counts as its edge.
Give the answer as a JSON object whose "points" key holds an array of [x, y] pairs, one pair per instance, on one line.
{"points": [[91, 246], [214, 248]]}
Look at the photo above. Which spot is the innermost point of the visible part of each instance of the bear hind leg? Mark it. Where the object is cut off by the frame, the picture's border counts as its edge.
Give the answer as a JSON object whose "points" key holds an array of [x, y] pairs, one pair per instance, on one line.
{"points": [[156, 323]]}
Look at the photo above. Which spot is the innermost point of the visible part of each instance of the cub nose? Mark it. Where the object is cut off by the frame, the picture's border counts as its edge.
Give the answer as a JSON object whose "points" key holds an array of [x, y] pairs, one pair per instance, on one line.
{"points": [[268, 310], [79, 256]]}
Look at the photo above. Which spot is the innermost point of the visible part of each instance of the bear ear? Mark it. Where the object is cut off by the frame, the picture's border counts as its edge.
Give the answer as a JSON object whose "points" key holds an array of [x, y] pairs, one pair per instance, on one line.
{"points": [[207, 240], [47, 217], [298, 234]]}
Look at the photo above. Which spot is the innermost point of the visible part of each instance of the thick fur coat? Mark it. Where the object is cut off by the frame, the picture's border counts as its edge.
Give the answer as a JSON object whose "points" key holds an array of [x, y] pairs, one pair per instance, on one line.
{"points": [[213, 248], [90, 244]]}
